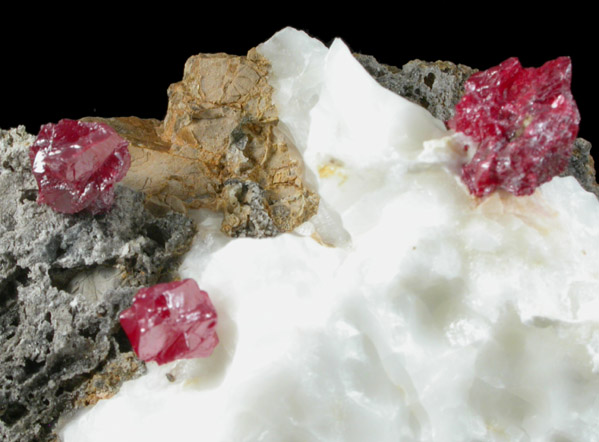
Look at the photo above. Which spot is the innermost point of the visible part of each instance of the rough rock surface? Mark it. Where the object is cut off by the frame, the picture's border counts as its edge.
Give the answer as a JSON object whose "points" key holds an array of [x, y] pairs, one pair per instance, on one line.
{"points": [[582, 166], [438, 86], [220, 125], [244, 205], [63, 281]]}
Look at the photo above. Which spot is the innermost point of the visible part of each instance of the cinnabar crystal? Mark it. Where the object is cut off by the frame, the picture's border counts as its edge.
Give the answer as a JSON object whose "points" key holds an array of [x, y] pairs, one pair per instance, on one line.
{"points": [[170, 321], [76, 165], [524, 122]]}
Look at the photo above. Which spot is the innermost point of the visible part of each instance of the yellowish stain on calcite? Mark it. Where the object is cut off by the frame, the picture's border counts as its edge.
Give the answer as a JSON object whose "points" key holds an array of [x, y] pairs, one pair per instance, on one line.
{"points": [[333, 168]]}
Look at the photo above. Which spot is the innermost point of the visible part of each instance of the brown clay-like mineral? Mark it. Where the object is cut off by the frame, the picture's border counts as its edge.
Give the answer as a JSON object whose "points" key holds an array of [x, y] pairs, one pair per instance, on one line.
{"points": [[219, 147]]}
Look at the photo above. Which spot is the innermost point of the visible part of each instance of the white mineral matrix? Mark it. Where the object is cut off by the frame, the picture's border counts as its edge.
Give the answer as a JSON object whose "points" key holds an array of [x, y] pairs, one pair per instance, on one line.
{"points": [[428, 316]]}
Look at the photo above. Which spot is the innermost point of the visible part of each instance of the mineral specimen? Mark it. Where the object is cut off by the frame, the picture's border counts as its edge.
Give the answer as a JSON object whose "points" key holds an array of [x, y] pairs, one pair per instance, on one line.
{"points": [[398, 347], [76, 165], [524, 122], [169, 321], [442, 320]]}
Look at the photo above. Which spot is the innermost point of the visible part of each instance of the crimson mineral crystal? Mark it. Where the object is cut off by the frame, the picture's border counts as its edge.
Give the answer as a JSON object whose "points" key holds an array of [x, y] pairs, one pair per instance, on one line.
{"points": [[170, 321], [524, 123], [76, 165]]}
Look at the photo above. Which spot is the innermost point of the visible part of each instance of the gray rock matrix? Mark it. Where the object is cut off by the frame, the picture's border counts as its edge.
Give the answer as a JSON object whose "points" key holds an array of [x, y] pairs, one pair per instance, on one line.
{"points": [[63, 281], [582, 166], [438, 86]]}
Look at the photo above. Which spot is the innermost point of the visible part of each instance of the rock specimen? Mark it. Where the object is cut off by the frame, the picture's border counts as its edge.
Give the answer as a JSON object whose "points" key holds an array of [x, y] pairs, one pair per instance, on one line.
{"points": [[64, 279], [76, 165], [220, 130], [170, 321], [523, 121]]}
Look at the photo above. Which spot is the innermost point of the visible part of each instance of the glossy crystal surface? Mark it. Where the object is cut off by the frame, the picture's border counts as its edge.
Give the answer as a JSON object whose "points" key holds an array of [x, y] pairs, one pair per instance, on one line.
{"points": [[170, 321], [523, 123], [76, 165]]}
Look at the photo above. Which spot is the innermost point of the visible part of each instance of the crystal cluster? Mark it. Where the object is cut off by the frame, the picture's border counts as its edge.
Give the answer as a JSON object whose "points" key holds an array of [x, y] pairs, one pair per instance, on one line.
{"points": [[174, 320], [76, 165], [524, 122]]}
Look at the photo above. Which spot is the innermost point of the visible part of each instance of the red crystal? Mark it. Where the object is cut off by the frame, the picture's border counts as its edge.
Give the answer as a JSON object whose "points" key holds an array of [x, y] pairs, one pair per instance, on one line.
{"points": [[174, 320], [524, 122], [76, 165]]}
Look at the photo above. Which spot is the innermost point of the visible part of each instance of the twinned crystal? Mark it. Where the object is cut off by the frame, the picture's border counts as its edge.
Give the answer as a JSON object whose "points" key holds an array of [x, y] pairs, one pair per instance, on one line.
{"points": [[76, 165], [170, 321], [524, 123]]}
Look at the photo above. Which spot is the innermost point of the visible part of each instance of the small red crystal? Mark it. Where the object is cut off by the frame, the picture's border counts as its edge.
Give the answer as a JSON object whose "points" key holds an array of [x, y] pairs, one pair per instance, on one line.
{"points": [[174, 320], [524, 122], [76, 165]]}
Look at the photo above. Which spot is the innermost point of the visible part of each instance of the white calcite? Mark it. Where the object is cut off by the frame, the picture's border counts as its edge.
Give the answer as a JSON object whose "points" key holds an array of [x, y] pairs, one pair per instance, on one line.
{"points": [[428, 316]]}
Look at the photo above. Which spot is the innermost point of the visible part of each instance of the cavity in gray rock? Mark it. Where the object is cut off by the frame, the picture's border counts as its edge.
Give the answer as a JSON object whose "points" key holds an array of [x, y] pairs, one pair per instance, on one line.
{"points": [[63, 281]]}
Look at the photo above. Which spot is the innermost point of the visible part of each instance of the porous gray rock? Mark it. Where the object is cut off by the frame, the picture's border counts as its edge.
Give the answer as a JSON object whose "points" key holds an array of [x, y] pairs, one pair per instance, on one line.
{"points": [[582, 166], [63, 281], [436, 86]]}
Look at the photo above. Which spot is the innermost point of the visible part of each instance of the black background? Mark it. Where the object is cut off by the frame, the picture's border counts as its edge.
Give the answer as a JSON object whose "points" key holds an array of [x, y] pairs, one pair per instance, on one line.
{"points": [[111, 62]]}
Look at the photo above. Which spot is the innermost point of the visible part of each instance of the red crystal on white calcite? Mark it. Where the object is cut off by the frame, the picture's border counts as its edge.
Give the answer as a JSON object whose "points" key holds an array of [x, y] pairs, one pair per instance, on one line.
{"points": [[170, 321], [76, 165], [524, 122]]}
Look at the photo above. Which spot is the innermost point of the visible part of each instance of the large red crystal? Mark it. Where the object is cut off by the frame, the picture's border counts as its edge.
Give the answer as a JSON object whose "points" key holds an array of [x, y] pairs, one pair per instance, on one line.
{"points": [[170, 321], [524, 122], [76, 165]]}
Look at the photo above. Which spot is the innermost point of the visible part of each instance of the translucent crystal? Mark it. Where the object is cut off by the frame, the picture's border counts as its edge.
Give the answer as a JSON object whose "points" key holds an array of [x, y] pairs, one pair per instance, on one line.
{"points": [[524, 122], [76, 165], [174, 320]]}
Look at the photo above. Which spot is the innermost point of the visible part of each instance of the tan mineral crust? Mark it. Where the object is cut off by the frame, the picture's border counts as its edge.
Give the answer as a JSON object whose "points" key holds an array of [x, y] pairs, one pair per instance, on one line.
{"points": [[106, 383], [220, 147]]}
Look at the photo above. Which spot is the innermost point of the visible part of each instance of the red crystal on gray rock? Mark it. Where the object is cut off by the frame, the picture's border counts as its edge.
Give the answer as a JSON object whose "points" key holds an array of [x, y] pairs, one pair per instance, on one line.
{"points": [[76, 165], [174, 320], [524, 121]]}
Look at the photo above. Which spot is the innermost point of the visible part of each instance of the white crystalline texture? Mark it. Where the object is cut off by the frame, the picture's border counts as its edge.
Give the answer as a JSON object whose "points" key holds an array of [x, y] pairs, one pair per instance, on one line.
{"points": [[435, 318]]}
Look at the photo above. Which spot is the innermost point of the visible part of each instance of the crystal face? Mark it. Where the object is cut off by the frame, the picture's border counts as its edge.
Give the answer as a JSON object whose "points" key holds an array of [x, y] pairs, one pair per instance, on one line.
{"points": [[174, 320], [76, 165], [524, 122]]}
